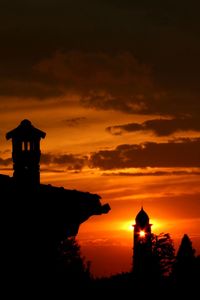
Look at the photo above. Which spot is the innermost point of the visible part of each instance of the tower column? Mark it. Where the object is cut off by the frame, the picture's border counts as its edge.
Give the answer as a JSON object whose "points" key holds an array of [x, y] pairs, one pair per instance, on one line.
{"points": [[142, 245], [26, 154]]}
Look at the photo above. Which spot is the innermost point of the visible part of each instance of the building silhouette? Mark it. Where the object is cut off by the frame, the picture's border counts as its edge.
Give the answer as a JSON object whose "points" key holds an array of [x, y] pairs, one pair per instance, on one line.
{"points": [[36, 216], [142, 248], [74, 207], [26, 154]]}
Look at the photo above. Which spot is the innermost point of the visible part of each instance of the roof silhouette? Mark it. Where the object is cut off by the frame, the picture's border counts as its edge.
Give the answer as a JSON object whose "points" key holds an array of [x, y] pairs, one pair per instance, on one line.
{"points": [[25, 131], [142, 217]]}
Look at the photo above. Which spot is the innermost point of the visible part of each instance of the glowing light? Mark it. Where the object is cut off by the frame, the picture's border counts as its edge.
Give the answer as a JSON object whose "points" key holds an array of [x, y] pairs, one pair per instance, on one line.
{"points": [[130, 227], [127, 225], [142, 233]]}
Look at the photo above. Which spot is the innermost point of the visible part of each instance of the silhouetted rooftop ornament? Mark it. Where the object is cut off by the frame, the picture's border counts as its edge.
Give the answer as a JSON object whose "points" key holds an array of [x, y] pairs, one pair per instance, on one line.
{"points": [[25, 131], [26, 154], [142, 218]]}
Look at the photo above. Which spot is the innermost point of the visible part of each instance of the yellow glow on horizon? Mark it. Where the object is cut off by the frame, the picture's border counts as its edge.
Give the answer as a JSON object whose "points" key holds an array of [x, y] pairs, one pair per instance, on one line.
{"points": [[156, 225], [127, 225], [130, 228]]}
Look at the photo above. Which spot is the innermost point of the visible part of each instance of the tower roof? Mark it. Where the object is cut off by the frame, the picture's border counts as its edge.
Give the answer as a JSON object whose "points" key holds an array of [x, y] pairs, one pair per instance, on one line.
{"points": [[25, 131], [142, 218]]}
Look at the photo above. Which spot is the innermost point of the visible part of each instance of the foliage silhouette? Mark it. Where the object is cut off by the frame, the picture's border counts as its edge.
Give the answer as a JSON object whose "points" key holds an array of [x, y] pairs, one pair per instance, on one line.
{"points": [[71, 267], [184, 267], [163, 253]]}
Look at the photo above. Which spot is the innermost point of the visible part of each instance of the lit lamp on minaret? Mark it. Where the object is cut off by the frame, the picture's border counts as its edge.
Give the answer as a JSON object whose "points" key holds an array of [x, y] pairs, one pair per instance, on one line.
{"points": [[26, 154], [142, 248]]}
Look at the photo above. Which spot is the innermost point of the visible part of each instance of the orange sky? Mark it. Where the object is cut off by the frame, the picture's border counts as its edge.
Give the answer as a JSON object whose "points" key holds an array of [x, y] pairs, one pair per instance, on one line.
{"points": [[115, 85], [171, 198]]}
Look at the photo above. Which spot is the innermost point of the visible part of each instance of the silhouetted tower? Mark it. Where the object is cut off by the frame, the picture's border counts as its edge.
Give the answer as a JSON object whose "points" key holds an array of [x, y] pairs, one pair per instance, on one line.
{"points": [[142, 248], [26, 154]]}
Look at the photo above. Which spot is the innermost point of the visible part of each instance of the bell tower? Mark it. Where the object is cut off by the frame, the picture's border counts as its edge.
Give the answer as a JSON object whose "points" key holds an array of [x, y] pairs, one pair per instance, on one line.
{"points": [[142, 248], [26, 154]]}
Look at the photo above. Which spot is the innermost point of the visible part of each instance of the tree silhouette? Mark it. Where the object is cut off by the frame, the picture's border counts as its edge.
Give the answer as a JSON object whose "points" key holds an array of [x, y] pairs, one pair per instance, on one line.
{"points": [[185, 251], [71, 268], [184, 267], [163, 254]]}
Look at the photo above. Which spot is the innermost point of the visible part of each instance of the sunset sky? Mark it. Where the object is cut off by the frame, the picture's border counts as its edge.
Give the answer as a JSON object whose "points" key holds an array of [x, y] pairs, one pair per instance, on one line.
{"points": [[116, 86]]}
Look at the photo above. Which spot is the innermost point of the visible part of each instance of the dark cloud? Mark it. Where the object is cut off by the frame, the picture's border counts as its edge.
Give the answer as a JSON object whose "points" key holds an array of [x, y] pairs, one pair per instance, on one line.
{"points": [[73, 122], [130, 127], [160, 127], [164, 36], [120, 81], [27, 88], [101, 79], [56, 163], [177, 153], [69, 161]]}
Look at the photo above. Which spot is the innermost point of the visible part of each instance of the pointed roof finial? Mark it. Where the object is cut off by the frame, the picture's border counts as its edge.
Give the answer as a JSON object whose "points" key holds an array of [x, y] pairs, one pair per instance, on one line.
{"points": [[142, 218], [25, 131]]}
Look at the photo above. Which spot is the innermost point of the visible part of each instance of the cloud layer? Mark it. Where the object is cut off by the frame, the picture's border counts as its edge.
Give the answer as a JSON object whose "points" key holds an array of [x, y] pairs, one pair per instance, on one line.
{"points": [[160, 127], [180, 153], [173, 154], [68, 161], [130, 56]]}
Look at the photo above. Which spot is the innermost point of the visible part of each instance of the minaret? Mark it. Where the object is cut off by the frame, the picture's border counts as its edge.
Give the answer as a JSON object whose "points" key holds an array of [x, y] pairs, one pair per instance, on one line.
{"points": [[142, 248], [26, 154]]}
